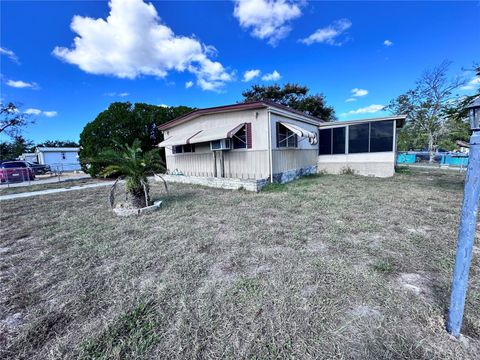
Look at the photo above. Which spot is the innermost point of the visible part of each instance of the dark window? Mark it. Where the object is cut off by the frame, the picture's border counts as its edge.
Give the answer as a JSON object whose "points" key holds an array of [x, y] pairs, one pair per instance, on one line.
{"points": [[339, 140], [358, 138], [177, 149], [220, 144], [381, 136], [189, 148], [325, 142], [285, 137], [240, 138]]}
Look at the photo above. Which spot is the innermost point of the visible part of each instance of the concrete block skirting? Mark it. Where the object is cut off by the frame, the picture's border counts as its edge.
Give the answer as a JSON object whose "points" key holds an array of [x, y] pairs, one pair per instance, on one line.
{"points": [[235, 184], [216, 182], [291, 175]]}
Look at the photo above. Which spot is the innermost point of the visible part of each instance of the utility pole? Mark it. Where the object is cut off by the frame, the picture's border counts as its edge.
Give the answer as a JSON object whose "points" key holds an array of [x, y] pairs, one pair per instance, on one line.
{"points": [[466, 232]]}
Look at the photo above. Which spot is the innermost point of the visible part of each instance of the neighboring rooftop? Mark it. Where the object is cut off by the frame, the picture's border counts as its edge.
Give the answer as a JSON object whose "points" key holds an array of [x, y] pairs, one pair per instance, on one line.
{"points": [[235, 107], [54, 149]]}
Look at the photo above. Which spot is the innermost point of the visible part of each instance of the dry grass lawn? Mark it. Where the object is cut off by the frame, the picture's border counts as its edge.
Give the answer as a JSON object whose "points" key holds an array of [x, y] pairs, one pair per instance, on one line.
{"points": [[325, 267]]}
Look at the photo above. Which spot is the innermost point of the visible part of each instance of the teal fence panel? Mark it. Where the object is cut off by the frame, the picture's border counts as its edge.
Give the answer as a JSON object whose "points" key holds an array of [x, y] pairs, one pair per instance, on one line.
{"points": [[406, 158], [454, 160]]}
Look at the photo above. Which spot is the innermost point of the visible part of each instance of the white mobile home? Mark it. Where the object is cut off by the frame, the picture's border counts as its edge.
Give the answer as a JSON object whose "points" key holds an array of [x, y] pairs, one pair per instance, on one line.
{"points": [[255, 143], [59, 158]]}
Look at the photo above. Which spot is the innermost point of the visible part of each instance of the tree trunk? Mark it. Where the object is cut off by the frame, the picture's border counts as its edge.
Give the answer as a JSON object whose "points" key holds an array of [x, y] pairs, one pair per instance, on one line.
{"points": [[137, 197], [431, 148]]}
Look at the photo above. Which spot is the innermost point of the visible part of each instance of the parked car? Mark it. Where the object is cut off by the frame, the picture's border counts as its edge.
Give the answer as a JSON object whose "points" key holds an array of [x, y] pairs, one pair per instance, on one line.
{"points": [[39, 169], [16, 171]]}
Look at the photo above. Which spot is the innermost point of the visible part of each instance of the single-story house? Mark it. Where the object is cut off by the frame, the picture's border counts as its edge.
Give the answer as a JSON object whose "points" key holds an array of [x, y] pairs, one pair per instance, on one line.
{"points": [[59, 158], [250, 144]]}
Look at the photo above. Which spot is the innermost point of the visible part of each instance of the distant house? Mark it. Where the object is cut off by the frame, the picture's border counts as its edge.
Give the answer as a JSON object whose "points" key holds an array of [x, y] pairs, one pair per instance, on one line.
{"points": [[59, 158], [264, 142], [30, 157]]}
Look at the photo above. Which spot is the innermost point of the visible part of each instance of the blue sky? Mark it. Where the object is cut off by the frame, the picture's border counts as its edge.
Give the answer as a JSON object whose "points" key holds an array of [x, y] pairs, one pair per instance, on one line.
{"points": [[359, 54]]}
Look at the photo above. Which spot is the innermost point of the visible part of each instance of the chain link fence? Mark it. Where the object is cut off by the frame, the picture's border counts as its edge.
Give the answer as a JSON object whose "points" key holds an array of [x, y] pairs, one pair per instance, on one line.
{"points": [[13, 175]]}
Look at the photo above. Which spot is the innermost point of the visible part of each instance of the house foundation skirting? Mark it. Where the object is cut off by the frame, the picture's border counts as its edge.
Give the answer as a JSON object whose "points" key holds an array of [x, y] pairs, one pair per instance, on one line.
{"points": [[236, 184], [290, 175], [218, 182]]}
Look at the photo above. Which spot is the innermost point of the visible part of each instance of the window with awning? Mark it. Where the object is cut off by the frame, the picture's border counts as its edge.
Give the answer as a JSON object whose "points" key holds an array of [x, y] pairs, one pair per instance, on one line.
{"points": [[217, 133], [178, 139], [241, 135]]}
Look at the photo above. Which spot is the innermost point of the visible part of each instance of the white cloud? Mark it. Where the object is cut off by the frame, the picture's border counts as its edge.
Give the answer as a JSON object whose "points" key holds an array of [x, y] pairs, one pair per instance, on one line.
{"points": [[250, 74], [350, 100], [115, 94], [32, 111], [163, 105], [132, 42], [268, 19], [274, 76], [50, 113], [37, 112], [471, 84], [11, 55], [371, 109], [19, 84], [388, 43], [359, 92], [189, 84], [328, 34]]}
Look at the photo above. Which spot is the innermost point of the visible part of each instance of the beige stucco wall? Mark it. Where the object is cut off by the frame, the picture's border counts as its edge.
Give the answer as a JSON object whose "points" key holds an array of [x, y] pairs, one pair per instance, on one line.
{"points": [[381, 164]]}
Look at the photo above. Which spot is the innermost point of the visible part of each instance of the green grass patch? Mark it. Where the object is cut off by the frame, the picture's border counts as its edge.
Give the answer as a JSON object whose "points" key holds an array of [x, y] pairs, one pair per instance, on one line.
{"points": [[274, 187], [384, 266], [128, 337]]}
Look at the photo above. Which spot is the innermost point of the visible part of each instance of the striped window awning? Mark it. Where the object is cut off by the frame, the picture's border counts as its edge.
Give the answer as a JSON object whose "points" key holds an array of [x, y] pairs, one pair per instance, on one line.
{"points": [[178, 139], [299, 131], [217, 133]]}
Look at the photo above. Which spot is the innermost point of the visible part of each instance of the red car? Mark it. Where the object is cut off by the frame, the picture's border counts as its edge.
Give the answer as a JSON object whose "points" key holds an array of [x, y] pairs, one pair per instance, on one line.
{"points": [[16, 171]]}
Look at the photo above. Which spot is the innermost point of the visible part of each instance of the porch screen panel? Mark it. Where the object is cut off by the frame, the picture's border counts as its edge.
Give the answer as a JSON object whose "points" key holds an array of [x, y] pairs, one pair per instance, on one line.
{"points": [[339, 140], [381, 136], [358, 138], [325, 142]]}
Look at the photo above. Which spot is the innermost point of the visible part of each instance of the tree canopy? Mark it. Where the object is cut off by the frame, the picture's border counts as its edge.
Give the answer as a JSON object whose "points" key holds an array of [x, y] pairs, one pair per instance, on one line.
{"points": [[121, 124], [13, 149], [59, 143], [293, 95], [434, 114], [12, 120]]}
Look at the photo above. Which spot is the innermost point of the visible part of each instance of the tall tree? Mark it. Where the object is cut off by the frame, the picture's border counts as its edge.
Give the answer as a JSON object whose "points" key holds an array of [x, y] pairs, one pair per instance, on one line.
{"points": [[292, 95], [13, 149], [121, 124], [12, 120], [427, 105], [59, 143]]}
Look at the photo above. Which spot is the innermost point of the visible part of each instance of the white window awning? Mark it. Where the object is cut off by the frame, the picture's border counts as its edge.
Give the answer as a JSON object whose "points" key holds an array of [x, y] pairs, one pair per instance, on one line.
{"points": [[218, 133], [178, 139], [299, 131]]}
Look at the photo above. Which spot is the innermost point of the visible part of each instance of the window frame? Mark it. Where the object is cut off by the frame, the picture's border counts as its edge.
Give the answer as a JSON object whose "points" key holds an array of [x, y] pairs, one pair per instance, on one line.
{"points": [[236, 138], [288, 136], [347, 134], [180, 149]]}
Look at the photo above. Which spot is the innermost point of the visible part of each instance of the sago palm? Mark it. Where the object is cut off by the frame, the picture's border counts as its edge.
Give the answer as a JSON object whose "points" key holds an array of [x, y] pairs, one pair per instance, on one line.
{"points": [[134, 165]]}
